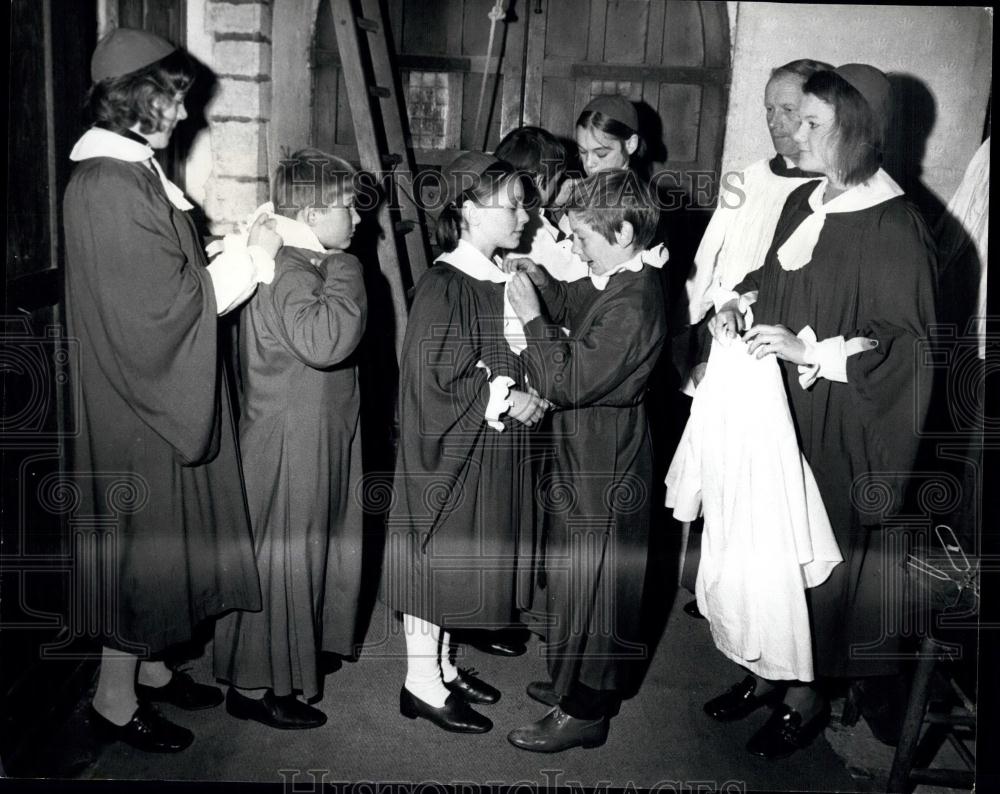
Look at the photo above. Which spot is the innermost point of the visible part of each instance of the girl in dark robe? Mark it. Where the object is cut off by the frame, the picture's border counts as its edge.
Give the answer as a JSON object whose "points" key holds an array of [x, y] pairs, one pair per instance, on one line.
{"points": [[301, 448], [844, 294], [156, 457], [596, 493], [462, 486]]}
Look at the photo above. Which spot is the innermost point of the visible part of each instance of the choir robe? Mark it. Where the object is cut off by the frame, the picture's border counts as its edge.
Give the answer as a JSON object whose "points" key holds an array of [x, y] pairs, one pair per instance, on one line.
{"points": [[596, 490], [155, 459], [462, 489], [301, 446], [871, 275]]}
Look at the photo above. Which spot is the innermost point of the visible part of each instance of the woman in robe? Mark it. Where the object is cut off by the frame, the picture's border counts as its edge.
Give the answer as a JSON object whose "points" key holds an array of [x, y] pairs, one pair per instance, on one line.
{"points": [[156, 457], [845, 293]]}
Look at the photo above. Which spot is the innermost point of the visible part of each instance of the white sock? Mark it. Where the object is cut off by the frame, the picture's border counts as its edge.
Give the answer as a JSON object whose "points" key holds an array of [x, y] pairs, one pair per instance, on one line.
{"points": [[115, 698], [154, 674], [423, 673], [449, 672]]}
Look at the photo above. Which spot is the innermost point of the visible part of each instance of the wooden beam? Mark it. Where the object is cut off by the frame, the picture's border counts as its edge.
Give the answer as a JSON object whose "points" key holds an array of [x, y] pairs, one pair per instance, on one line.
{"points": [[598, 29], [512, 68], [537, 26], [370, 153], [638, 74]]}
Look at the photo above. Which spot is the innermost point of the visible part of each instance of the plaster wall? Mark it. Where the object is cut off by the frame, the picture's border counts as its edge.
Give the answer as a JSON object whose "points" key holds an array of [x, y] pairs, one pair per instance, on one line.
{"points": [[947, 50]]}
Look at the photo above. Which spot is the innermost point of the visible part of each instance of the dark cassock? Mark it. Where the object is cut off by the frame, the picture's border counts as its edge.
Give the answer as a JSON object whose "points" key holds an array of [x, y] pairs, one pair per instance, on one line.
{"points": [[594, 491], [462, 488], [156, 457], [301, 446], [871, 275]]}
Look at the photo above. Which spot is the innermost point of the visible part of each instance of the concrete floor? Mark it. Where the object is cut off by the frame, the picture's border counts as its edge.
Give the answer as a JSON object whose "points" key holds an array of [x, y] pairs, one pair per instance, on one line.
{"points": [[660, 739]]}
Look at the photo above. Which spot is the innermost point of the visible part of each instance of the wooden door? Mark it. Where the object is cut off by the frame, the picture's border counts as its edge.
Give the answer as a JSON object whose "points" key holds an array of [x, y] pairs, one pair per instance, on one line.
{"points": [[48, 79], [441, 48], [671, 57]]}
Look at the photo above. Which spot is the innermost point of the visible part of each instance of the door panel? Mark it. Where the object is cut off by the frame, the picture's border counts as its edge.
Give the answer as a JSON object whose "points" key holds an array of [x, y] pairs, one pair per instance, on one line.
{"points": [[668, 55], [50, 70]]}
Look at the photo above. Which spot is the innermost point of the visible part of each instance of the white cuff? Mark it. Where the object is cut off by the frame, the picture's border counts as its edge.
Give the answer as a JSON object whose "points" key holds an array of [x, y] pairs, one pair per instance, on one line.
{"points": [[236, 272], [720, 297], [499, 401], [828, 358], [263, 264]]}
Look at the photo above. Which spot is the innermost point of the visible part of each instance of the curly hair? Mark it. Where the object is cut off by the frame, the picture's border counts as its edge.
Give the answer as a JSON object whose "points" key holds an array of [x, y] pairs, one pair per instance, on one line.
{"points": [[118, 103], [535, 151]]}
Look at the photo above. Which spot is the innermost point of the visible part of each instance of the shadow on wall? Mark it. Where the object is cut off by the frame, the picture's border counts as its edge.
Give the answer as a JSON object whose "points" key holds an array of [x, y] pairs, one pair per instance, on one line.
{"points": [[202, 92], [913, 121]]}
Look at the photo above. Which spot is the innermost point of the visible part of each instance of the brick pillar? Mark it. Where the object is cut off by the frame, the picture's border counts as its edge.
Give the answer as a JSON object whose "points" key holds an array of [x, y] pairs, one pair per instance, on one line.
{"points": [[240, 113]]}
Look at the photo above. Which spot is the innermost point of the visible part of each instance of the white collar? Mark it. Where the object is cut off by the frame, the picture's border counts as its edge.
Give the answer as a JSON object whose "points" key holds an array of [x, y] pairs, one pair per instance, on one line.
{"points": [[293, 233], [654, 257], [99, 142], [470, 260], [797, 250]]}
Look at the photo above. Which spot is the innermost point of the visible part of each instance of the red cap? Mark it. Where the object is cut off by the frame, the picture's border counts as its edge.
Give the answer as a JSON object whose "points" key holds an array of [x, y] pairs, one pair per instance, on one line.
{"points": [[463, 173], [124, 50], [873, 86], [616, 107]]}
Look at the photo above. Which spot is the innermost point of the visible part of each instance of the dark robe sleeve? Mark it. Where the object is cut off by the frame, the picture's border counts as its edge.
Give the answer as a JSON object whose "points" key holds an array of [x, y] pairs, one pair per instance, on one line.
{"points": [[156, 306], [575, 372], [444, 391], [896, 309], [321, 321], [562, 299]]}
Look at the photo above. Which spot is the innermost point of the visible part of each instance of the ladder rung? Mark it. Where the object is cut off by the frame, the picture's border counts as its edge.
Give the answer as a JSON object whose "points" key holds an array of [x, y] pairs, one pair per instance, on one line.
{"points": [[391, 159], [405, 227], [369, 25], [379, 91]]}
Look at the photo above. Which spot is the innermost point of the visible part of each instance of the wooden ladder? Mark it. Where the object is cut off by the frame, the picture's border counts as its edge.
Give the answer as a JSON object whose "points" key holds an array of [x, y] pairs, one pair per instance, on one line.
{"points": [[381, 131]]}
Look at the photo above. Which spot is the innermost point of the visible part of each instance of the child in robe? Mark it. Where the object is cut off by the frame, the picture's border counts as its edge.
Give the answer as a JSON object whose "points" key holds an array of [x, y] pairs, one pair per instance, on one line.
{"points": [[301, 448], [598, 492]]}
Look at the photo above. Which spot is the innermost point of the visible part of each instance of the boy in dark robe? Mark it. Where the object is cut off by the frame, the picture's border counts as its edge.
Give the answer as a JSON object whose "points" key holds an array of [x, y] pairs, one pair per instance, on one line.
{"points": [[301, 446], [596, 495]]}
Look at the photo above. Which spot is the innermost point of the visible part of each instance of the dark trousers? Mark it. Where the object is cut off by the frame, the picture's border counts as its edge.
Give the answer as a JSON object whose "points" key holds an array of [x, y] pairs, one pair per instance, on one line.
{"points": [[585, 703]]}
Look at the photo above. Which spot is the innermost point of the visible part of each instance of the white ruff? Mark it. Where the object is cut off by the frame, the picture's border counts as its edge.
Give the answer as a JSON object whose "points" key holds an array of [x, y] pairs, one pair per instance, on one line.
{"points": [[98, 142], [797, 250], [656, 257]]}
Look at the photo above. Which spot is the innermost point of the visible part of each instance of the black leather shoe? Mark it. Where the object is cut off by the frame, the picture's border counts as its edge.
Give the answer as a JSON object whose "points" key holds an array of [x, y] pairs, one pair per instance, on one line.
{"points": [[784, 733], [739, 701], [182, 691], [287, 712], [148, 730], [558, 731], [543, 692], [691, 610], [469, 687], [455, 715]]}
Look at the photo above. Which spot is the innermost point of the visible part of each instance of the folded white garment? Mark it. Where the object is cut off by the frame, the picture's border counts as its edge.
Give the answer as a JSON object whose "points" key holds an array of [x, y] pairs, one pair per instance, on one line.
{"points": [[767, 536]]}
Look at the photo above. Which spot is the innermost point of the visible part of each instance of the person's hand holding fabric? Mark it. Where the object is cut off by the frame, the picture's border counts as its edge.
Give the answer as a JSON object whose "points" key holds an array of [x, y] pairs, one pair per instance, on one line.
{"points": [[523, 297], [764, 339]]}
